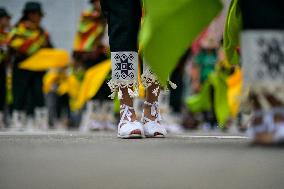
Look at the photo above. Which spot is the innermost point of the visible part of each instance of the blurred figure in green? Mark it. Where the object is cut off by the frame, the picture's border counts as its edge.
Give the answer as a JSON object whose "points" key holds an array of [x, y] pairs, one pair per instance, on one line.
{"points": [[25, 39], [206, 61], [4, 27]]}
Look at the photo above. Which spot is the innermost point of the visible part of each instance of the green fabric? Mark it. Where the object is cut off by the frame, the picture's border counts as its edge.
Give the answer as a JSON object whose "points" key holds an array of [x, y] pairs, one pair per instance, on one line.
{"points": [[25, 40], [201, 102], [89, 45], [84, 26], [79, 74], [232, 31], [170, 27], [116, 104], [9, 97], [206, 62], [222, 109]]}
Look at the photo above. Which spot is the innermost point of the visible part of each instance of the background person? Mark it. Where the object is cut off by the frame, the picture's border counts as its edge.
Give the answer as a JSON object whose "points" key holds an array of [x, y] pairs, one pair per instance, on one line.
{"points": [[25, 39], [4, 27]]}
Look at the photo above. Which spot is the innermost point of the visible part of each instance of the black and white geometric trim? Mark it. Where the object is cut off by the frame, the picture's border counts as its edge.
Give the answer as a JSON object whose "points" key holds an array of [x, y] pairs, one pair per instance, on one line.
{"points": [[124, 73], [124, 65], [262, 58], [263, 55]]}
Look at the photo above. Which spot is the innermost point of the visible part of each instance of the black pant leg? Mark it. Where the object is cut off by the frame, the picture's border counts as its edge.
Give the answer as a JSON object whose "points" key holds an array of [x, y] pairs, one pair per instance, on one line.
{"points": [[262, 14], [39, 100], [2, 88], [123, 17], [20, 88]]}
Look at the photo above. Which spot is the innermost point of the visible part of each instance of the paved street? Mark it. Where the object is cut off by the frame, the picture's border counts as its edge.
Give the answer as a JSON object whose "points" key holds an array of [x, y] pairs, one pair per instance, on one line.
{"points": [[101, 161]]}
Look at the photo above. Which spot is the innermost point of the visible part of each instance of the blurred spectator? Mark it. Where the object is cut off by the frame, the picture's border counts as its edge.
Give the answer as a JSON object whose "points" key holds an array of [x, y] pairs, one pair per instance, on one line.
{"points": [[206, 61], [88, 46], [25, 39], [4, 27], [89, 50], [57, 102]]}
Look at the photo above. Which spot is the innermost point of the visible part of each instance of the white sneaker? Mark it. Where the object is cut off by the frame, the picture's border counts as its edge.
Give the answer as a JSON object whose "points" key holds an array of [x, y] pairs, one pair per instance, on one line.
{"points": [[41, 118], [89, 121], [95, 125], [153, 129], [18, 120], [126, 127]]}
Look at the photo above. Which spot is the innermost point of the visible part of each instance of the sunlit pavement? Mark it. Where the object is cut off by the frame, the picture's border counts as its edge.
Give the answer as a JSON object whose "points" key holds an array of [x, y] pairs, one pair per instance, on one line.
{"points": [[71, 160]]}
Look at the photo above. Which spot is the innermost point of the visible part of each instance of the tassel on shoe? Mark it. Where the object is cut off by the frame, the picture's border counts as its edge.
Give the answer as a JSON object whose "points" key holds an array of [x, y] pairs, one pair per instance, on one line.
{"points": [[112, 95], [132, 93], [173, 85], [119, 94]]}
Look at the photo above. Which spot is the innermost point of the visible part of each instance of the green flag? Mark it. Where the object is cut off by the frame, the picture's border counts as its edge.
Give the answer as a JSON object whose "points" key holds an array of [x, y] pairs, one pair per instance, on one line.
{"points": [[232, 32], [169, 29]]}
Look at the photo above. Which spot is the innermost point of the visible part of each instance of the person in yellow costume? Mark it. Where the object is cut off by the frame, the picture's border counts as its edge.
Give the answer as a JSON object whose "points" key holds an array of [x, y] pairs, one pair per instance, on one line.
{"points": [[25, 39], [89, 50], [4, 25]]}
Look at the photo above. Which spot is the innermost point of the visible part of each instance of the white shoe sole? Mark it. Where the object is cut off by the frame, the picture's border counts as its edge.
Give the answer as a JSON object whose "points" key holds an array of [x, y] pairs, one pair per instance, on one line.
{"points": [[157, 136], [132, 136]]}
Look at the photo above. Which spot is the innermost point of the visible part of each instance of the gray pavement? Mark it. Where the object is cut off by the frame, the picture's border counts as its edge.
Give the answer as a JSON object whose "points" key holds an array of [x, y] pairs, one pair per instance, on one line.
{"points": [[101, 161]]}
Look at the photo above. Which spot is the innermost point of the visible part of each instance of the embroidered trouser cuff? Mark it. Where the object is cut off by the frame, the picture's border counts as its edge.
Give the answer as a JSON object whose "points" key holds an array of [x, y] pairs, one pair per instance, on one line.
{"points": [[124, 73]]}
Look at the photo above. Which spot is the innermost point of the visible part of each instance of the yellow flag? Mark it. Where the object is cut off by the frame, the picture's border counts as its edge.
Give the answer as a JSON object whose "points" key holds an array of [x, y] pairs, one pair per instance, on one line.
{"points": [[69, 85], [49, 80], [92, 82], [45, 59], [235, 83]]}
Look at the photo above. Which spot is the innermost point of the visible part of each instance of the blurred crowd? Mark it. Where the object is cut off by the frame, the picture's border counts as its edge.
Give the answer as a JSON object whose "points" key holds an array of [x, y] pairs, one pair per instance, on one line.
{"points": [[56, 96]]}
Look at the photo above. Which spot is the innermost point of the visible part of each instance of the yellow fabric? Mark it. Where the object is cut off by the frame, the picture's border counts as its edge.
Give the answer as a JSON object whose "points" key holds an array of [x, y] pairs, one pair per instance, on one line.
{"points": [[93, 80], [80, 45], [3, 38], [45, 59], [49, 80], [69, 85], [141, 89], [9, 96], [235, 83], [27, 41]]}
